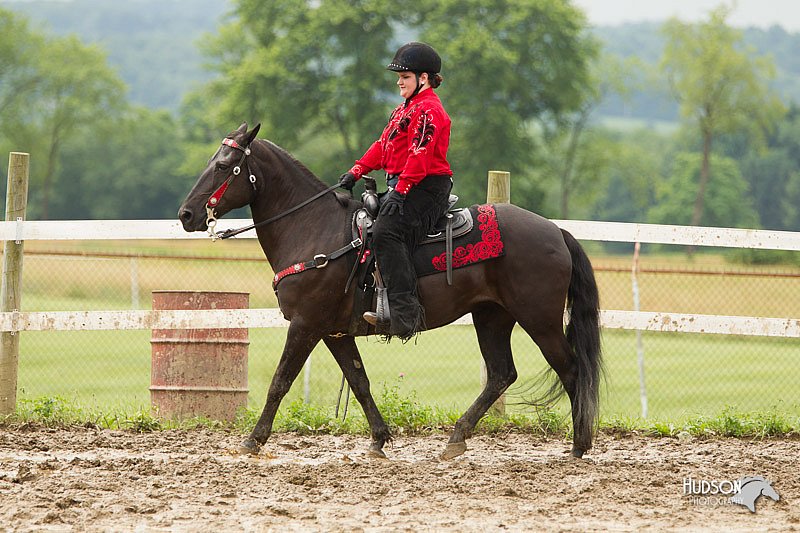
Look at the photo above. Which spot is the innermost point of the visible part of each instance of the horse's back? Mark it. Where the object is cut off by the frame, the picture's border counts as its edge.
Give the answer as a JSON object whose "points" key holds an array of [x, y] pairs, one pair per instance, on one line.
{"points": [[533, 272], [528, 234]]}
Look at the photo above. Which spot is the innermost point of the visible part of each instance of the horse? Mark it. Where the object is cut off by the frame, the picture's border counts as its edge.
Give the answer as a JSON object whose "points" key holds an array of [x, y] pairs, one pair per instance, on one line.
{"points": [[752, 488], [297, 216]]}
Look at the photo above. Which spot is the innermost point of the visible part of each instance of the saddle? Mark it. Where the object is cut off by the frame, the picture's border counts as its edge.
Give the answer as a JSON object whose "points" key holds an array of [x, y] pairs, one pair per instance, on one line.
{"points": [[453, 224]]}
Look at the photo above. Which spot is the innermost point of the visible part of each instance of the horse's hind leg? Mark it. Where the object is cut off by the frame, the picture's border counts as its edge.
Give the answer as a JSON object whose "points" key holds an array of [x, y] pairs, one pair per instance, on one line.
{"points": [[299, 343], [558, 355], [493, 324], [345, 352]]}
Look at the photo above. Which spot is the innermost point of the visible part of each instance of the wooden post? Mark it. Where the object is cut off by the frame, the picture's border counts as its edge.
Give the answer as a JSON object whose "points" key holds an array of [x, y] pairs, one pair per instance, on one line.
{"points": [[11, 290], [498, 191]]}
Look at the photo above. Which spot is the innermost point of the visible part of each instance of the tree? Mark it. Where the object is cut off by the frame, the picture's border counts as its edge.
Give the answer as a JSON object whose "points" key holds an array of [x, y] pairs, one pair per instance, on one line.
{"points": [[729, 202], [576, 155], [50, 90], [132, 166], [774, 175], [77, 91], [305, 68], [720, 87], [507, 65], [19, 49]]}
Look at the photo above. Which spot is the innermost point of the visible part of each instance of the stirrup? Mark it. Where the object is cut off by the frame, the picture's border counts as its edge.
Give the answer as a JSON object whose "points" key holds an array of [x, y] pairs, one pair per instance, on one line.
{"points": [[372, 318]]}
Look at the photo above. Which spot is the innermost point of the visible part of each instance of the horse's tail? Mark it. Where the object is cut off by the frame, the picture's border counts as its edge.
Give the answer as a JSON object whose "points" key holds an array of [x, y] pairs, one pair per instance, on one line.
{"points": [[583, 336]]}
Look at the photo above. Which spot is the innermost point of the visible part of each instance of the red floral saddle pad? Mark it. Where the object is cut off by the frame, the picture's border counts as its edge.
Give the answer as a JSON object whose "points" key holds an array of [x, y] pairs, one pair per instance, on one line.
{"points": [[482, 243]]}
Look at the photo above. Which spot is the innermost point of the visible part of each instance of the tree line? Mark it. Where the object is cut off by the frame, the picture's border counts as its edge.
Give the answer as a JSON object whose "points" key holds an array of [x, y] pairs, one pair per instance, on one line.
{"points": [[524, 80]]}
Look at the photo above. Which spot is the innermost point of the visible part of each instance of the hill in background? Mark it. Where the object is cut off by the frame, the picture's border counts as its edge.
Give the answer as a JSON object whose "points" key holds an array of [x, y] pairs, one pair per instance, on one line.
{"points": [[152, 43], [154, 46]]}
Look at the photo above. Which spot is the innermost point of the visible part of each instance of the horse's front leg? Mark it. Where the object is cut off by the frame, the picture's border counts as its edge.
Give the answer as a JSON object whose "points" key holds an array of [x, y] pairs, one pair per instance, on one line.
{"points": [[300, 340], [345, 352]]}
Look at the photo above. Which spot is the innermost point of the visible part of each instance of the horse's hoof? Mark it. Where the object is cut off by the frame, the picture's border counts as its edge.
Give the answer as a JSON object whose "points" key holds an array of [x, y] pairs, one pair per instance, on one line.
{"points": [[577, 453], [249, 447], [453, 450], [376, 453]]}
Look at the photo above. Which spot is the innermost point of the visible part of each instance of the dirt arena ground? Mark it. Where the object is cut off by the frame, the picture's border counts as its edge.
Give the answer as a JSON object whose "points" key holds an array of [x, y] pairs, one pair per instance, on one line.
{"points": [[97, 480]]}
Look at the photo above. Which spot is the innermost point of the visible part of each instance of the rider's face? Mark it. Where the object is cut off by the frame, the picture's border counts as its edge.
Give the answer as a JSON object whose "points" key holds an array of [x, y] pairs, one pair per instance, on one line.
{"points": [[407, 83]]}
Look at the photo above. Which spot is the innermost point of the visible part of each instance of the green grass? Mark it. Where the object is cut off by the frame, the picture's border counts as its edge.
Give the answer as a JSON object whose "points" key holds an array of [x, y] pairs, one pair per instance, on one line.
{"points": [[405, 415], [687, 375]]}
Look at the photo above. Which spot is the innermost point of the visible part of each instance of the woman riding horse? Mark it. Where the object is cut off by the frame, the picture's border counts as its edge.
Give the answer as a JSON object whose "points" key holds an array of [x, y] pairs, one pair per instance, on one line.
{"points": [[413, 151]]}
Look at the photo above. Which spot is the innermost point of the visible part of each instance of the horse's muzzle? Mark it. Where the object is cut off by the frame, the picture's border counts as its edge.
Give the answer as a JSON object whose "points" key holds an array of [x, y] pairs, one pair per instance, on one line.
{"points": [[190, 220]]}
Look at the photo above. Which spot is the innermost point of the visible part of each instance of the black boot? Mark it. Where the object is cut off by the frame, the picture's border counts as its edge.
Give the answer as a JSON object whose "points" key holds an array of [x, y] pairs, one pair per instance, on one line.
{"points": [[406, 317]]}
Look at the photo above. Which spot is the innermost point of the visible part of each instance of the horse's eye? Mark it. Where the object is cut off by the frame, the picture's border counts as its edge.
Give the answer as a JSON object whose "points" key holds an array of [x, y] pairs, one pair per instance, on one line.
{"points": [[222, 166]]}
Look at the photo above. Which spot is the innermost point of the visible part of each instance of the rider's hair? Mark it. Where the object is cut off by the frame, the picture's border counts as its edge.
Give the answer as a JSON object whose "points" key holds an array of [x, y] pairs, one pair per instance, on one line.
{"points": [[435, 80]]}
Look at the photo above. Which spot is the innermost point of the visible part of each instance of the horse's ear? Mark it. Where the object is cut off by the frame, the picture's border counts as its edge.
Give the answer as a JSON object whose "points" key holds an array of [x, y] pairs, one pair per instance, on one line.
{"points": [[252, 134], [242, 128]]}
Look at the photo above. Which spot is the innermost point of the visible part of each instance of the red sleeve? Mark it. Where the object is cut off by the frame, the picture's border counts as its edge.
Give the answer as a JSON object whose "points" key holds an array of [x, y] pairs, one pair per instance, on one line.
{"points": [[424, 130], [370, 161]]}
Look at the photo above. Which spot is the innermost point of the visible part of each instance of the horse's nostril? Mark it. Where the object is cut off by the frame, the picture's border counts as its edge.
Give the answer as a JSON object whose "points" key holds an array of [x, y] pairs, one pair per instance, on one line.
{"points": [[185, 215]]}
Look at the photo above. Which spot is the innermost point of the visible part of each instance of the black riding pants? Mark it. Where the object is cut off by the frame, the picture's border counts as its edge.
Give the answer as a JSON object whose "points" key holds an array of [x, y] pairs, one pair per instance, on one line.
{"points": [[396, 236]]}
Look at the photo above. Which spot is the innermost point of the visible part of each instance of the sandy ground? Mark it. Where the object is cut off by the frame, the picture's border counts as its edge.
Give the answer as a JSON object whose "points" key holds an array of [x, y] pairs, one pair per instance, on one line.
{"points": [[81, 479]]}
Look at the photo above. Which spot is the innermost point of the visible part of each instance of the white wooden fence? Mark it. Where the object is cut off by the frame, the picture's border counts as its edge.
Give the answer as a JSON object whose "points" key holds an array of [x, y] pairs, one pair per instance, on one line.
{"points": [[267, 318]]}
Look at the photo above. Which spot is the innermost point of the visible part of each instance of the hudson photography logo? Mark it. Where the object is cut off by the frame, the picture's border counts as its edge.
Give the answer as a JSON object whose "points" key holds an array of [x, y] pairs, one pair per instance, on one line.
{"points": [[715, 492]]}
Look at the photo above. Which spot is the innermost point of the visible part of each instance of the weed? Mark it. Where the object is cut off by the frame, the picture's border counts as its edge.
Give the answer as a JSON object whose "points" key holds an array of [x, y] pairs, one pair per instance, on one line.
{"points": [[405, 415], [143, 422]]}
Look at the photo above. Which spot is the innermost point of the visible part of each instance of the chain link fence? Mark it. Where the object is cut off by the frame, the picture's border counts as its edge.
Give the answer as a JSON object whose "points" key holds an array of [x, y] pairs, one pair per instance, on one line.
{"points": [[685, 374]]}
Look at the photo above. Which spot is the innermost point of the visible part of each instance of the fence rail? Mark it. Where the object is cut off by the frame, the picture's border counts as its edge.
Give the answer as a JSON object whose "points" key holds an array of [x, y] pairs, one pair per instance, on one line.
{"points": [[272, 318], [581, 229], [261, 318]]}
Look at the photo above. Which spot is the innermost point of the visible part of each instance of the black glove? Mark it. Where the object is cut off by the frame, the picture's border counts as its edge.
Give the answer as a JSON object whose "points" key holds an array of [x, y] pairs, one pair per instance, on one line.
{"points": [[347, 181], [392, 203]]}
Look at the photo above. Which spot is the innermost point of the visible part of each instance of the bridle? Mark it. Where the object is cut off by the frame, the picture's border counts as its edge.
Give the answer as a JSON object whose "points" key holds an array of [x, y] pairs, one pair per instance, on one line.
{"points": [[214, 199]]}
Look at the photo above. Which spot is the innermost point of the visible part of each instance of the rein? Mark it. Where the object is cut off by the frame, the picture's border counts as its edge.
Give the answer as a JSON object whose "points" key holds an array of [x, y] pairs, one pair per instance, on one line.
{"points": [[233, 232], [214, 199]]}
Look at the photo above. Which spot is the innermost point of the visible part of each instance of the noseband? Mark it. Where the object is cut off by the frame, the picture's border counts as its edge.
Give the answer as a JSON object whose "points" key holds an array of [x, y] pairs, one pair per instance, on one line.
{"points": [[214, 199]]}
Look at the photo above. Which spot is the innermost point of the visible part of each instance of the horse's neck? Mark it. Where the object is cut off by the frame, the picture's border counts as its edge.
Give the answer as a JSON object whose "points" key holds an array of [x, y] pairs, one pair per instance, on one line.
{"points": [[310, 230]]}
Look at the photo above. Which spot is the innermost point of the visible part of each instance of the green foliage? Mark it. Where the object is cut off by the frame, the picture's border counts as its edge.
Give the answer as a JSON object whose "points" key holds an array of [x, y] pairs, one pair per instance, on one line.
{"points": [[144, 422], [729, 423], [151, 43], [720, 88], [309, 66], [507, 63], [728, 203], [49, 410], [749, 256], [143, 154], [524, 83], [68, 89], [635, 162], [304, 418], [405, 414]]}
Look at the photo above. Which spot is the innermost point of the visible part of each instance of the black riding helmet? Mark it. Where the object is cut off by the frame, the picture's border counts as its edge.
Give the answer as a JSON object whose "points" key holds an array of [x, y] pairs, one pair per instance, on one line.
{"points": [[417, 58]]}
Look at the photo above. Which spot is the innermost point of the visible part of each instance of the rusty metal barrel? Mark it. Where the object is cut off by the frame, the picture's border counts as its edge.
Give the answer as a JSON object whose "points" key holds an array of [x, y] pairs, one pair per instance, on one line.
{"points": [[199, 372]]}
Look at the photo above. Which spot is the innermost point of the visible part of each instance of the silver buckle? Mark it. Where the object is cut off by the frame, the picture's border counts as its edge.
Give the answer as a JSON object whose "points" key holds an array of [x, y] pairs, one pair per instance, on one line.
{"points": [[317, 259]]}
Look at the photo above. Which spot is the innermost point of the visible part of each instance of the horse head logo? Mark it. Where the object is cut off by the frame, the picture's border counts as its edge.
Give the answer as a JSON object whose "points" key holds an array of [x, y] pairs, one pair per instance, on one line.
{"points": [[752, 487]]}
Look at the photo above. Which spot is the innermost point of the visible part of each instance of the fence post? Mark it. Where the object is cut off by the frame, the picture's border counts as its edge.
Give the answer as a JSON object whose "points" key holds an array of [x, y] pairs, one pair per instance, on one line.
{"points": [[498, 191], [11, 290]]}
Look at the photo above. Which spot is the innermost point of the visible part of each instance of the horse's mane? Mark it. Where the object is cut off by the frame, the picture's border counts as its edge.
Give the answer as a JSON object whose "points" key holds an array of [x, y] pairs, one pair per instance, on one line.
{"points": [[292, 161]]}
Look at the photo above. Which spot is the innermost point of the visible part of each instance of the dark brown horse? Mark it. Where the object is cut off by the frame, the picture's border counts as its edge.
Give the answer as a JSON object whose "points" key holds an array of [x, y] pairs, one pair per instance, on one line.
{"points": [[543, 269]]}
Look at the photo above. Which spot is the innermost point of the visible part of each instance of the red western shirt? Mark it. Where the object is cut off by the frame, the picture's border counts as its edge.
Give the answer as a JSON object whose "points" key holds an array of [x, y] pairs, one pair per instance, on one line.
{"points": [[413, 144]]}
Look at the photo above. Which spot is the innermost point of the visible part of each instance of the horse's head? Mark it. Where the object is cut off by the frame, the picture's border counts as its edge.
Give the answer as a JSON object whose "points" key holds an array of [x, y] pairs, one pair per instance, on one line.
{"points": [[224, 185]]}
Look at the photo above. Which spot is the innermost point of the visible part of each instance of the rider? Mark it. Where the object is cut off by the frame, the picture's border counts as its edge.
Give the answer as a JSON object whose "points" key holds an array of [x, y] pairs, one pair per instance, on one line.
{"points": [[412, 150]]}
